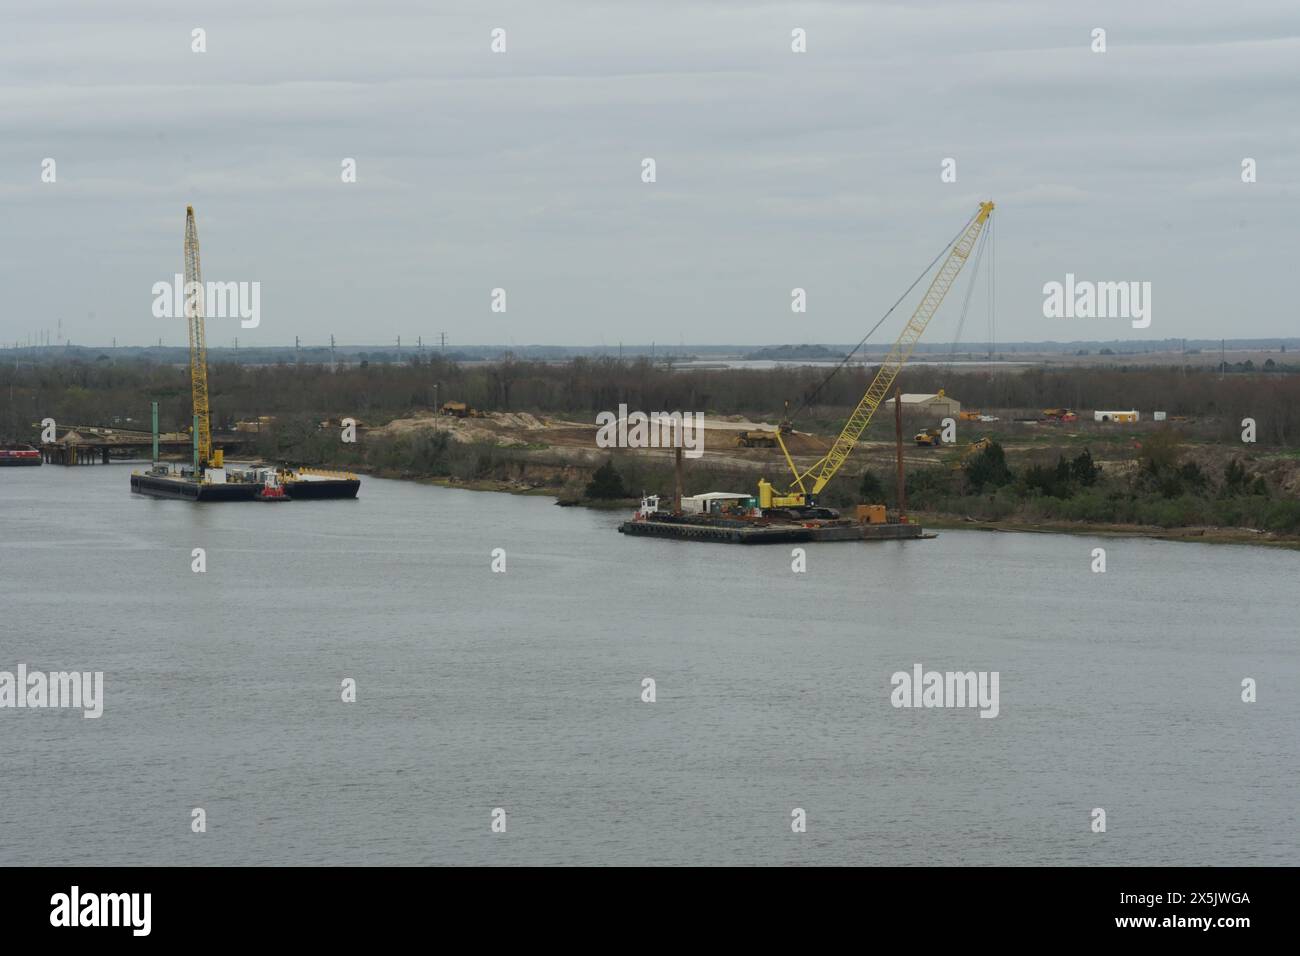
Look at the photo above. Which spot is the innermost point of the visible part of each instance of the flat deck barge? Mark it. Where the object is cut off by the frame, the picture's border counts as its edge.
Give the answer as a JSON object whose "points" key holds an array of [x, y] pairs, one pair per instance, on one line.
{"points": [[298, 485], [306, 486], [186, 489], [735, 531]]}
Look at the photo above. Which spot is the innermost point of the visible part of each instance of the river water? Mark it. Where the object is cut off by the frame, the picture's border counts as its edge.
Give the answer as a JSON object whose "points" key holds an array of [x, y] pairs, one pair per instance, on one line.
{"points": [[522, 690]]}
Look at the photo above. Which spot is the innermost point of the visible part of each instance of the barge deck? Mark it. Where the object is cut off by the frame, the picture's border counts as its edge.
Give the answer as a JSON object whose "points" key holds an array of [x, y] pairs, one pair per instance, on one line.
{"points": [[690, 528], [298, 485]]}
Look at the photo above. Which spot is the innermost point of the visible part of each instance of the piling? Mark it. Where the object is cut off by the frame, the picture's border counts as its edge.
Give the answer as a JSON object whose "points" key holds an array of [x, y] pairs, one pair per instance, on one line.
{"points": [[898, 440]]}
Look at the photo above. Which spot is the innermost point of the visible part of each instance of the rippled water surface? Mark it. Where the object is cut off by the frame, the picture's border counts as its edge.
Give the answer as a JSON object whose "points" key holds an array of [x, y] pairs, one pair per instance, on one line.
{"points": [[522, 690]]}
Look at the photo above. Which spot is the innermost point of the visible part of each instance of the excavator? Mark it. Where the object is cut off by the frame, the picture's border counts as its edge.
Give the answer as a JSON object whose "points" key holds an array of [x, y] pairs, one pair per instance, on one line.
{"points": [[800, 498]]}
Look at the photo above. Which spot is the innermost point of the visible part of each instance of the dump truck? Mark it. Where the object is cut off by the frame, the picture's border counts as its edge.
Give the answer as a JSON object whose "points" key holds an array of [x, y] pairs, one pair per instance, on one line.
{"points": [[756, 439], [456, 409]]}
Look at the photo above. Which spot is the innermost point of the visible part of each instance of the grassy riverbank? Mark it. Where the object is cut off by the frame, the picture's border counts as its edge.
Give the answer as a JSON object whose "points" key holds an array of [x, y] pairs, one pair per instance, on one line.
{"points": [[1207, 535], [1165, 490]]}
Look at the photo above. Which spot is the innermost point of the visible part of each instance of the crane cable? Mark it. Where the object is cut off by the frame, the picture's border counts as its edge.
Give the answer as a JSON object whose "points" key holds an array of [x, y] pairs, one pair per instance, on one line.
{"points": [[845, 361], [993, 287], [965, 306]]}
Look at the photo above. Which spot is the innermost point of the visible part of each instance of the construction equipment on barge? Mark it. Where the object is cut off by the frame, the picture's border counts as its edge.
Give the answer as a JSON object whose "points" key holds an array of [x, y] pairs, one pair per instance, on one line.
{"points": [[794, 515], [208, 479], [810, 482]]}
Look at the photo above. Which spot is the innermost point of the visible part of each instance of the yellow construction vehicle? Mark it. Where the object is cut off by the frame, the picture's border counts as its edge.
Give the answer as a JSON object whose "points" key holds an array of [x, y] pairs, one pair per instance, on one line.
{"points": [[808, 483], [459, 410], [930, 438], [973, 448]]}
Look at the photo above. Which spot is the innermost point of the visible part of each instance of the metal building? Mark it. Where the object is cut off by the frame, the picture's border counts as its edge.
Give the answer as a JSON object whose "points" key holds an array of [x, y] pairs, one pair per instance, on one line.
{"points": [[931, 406]]}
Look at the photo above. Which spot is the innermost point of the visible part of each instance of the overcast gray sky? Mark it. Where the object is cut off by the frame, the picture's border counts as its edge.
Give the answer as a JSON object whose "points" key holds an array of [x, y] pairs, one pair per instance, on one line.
{"points": [[522, 170]]}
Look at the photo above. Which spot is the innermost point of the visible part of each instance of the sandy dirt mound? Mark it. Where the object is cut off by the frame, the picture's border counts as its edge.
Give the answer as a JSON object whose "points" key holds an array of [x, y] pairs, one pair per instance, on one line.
{"points": [[469, 430]]}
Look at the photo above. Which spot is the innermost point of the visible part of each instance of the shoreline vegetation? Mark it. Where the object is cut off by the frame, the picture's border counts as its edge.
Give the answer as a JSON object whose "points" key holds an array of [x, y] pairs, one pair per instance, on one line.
{"points": [[1159, 486], [932, 521], [1196, 476]]}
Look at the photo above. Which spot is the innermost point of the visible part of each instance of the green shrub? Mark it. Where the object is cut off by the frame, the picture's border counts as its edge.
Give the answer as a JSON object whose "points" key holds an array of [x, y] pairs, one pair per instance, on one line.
{"points": [[606, 482]]}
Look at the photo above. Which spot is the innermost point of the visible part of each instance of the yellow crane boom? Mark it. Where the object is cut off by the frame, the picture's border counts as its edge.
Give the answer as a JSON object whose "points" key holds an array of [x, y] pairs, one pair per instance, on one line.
{"points": [[194, 302], [824, 470]]}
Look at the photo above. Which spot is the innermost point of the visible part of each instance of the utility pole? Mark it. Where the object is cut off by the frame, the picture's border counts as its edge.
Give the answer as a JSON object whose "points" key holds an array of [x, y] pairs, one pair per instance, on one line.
{"points": [[677, 497], [898, 439]]}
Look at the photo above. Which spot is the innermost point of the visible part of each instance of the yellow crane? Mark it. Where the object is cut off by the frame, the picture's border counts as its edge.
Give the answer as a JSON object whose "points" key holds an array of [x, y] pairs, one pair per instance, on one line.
{"points": [[194, 302], [800, 494]]}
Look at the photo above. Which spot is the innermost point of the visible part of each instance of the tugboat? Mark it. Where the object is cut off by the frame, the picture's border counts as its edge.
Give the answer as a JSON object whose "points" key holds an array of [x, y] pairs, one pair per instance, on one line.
{"points": [[271, 492]]}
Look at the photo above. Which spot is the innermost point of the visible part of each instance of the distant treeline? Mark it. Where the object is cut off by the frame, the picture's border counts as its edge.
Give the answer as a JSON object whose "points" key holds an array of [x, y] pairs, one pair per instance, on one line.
{"points": [[108, 392]]}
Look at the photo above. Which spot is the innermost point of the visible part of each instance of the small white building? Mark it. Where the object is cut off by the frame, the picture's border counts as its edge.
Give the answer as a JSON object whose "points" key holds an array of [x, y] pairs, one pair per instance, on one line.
{"points": [[711, 501], [934, 406]]}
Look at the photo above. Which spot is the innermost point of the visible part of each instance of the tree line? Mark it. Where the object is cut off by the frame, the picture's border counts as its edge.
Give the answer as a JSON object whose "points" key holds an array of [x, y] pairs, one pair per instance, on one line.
{"points": [[108, 392]]}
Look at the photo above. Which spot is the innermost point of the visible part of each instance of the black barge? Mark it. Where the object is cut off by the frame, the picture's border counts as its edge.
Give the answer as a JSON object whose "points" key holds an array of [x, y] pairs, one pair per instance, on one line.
{"points": [[738, 531]]}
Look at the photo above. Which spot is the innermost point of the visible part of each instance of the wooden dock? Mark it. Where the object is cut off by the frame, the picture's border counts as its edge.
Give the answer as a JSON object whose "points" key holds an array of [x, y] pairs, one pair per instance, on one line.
{"points": [[94, 444]]}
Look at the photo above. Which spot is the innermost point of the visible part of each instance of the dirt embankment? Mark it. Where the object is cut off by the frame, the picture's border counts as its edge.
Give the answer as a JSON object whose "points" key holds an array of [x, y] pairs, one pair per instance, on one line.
{"points": [[575, 441], [559, 444]]}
